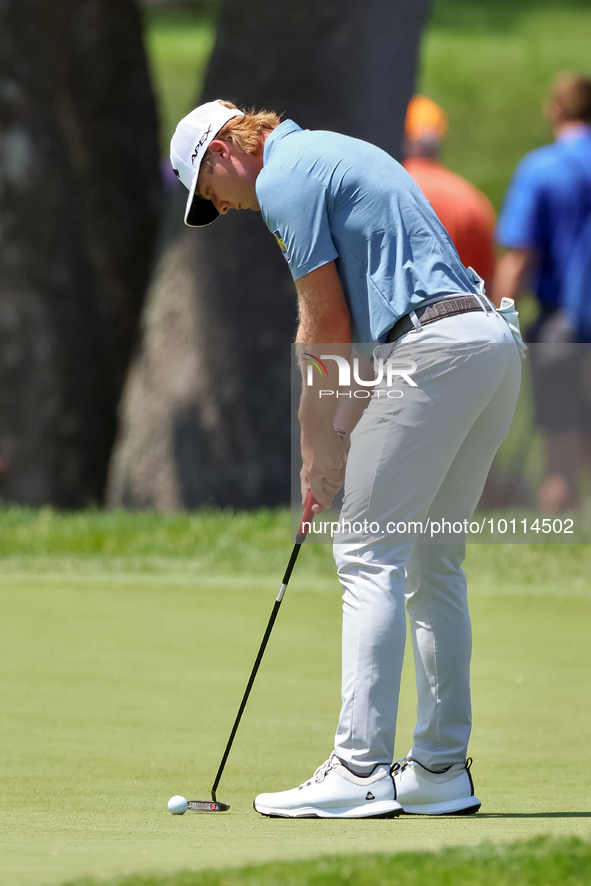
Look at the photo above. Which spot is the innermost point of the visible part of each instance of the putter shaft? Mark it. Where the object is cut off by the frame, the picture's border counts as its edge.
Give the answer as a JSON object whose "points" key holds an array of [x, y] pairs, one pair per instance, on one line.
{"points": [[307, 518]]}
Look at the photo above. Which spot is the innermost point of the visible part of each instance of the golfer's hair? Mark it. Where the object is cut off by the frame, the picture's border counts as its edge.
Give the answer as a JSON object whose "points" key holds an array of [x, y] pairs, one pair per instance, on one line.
{"points": [[572, 94], [244, 132]]}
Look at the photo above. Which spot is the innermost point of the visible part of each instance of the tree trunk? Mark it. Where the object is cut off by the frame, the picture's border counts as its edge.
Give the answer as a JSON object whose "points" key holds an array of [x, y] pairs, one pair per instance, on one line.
{"points": [[206, 413], [79, 206]]}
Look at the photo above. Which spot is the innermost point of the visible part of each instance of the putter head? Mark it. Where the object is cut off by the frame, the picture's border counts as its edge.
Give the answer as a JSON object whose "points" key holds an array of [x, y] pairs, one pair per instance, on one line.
{"points": [[206, 806]]}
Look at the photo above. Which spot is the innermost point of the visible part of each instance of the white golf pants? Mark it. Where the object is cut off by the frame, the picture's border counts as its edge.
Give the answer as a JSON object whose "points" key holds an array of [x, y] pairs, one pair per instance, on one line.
{"points": [[422, 457]]}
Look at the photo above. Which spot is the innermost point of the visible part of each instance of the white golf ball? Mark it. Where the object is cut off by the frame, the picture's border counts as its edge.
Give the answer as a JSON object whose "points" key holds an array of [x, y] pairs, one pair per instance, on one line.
{"points": [[177, 805]]}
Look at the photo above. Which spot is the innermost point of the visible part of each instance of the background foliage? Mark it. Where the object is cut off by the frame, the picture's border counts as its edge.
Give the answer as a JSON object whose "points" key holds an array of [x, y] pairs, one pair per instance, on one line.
{"points": [[487, 62]]}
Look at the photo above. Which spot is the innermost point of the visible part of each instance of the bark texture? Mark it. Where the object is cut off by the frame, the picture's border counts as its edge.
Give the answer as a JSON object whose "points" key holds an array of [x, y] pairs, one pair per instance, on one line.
{"points": [[79, 209], [206, 413]]}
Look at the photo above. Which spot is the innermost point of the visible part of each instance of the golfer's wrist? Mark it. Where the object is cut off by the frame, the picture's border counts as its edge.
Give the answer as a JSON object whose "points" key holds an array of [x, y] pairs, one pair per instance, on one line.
{"points": [[315, 423]]}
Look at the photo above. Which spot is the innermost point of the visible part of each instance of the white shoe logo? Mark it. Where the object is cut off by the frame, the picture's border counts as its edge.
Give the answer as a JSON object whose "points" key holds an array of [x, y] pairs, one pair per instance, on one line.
{"points": [[369, 796]]}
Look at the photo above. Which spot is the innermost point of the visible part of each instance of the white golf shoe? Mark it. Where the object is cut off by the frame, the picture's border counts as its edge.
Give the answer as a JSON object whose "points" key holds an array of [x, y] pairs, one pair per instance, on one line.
{"points": [[335, 792], [448, 791]]}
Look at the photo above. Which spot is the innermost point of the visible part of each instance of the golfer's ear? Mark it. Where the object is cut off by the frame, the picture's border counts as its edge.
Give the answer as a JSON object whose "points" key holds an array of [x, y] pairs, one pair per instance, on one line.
{"points": [[220, 147]]}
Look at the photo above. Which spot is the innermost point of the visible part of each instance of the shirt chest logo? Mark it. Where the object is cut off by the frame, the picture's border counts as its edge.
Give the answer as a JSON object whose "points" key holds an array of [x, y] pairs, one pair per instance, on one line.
{"points": [[282, 245]]}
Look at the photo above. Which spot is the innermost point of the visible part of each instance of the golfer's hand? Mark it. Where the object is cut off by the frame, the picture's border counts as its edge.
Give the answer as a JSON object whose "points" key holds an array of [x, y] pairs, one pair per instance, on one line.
{"points": [[324, 459]]}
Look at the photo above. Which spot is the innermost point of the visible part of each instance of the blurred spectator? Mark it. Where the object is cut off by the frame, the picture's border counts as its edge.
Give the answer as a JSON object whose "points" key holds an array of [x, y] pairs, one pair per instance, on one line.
{"points": [[464, 211], [542, 221]]}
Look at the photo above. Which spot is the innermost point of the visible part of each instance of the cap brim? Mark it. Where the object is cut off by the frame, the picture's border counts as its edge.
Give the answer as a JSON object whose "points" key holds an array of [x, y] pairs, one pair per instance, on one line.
{"points": [[199, 212]]}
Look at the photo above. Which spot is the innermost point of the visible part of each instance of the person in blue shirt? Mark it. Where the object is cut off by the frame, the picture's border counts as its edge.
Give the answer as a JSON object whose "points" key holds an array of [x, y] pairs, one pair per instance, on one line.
{"points": [[375, 269], [543, 216]]}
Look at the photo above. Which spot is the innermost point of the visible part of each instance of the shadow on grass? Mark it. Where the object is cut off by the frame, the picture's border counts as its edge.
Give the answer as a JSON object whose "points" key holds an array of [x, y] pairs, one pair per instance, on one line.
{"points": [[533, 815]]}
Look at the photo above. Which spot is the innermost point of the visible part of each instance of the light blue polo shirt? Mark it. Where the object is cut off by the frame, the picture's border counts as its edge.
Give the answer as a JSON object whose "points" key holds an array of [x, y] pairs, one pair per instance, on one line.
{"points": [[330, 197]]}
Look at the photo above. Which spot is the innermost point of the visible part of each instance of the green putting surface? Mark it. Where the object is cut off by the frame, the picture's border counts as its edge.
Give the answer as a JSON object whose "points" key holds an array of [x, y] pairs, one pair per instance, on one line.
{"points": [[119, 689]]}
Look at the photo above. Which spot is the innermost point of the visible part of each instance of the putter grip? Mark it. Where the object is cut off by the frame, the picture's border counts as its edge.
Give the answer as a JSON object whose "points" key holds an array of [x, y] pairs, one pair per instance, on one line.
{"points": [[307, 516]]}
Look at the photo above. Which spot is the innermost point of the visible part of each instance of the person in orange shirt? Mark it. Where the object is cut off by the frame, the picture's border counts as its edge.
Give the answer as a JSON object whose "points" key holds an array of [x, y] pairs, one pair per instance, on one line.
{"points": [[464, 211]]}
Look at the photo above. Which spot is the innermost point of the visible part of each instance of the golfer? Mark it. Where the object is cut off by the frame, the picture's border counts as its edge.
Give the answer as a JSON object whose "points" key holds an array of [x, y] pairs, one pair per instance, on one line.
{"points": [[374, 267]]}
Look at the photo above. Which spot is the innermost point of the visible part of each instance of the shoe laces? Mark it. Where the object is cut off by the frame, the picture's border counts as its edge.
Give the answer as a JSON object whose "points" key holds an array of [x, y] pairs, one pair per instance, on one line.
{"points": [[322, 771], [399, 766]]}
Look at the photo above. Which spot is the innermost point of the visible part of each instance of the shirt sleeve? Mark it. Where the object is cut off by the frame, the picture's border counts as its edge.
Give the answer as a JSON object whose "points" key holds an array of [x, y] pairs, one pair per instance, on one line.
{"points": [[296, 211], [520, 218]]}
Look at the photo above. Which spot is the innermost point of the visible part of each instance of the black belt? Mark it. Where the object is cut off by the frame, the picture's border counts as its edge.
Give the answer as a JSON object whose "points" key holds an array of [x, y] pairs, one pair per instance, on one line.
{"points": [[447, 307]]}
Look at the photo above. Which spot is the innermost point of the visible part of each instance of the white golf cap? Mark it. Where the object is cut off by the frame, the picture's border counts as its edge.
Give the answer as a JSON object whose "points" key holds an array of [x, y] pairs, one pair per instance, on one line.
{"points": [[188, 145]]}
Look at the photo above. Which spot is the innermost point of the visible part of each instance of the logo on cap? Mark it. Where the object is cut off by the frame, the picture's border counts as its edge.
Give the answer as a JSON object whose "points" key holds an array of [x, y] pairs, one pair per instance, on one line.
{"points": [[200, 143]]}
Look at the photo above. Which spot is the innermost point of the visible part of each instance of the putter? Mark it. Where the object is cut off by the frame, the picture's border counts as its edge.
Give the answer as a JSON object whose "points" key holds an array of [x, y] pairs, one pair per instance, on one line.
{"points": [[214, 804]]}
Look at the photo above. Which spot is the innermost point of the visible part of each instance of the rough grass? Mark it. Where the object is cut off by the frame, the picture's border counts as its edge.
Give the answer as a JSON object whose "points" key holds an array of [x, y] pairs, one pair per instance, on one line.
{"points": [[539, 862], [208, 541], [226, 542]]}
